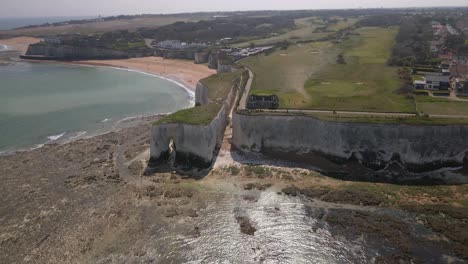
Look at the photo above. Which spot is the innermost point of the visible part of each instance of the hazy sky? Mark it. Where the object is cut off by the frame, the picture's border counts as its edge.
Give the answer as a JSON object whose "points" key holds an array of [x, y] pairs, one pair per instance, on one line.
{"points": [[39, 8]]}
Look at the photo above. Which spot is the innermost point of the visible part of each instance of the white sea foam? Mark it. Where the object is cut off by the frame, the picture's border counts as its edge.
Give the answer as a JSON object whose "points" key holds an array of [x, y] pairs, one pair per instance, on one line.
{"points": [[3, 47], [105, 120], [55, 137]]}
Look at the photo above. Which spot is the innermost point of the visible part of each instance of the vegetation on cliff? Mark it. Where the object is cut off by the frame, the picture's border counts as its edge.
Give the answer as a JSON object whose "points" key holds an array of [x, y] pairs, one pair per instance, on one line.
{"points": [[199, 115]]}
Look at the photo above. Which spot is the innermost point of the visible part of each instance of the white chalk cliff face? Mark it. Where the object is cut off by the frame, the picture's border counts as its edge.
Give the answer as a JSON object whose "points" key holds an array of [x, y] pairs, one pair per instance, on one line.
{"points": [[201, 94], [375, 145], [194, 144], [69, 52]]}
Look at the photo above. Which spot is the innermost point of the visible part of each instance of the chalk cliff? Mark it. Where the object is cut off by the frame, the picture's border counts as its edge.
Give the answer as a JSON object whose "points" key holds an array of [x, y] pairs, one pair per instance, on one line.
{"points": [[72, 53], [419, 148], [201, 94], [194, 144]]}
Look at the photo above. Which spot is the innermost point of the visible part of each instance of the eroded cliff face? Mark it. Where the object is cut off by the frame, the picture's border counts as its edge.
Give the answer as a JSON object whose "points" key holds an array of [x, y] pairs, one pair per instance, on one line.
{"points": [[418, 148], [194, 145], [201, 94], [73, 53]]}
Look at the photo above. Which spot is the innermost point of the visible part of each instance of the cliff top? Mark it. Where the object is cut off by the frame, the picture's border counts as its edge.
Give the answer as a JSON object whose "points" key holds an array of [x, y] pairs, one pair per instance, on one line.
{"points": [[200, 115], [220, 84]]}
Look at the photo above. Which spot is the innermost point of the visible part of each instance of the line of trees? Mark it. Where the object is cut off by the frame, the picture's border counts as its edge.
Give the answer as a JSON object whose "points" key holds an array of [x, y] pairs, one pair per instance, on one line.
{"points": [[413, 42]]}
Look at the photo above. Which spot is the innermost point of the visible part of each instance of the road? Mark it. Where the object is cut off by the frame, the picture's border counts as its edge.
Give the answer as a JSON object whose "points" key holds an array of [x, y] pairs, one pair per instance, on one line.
{"points": [[243, 101]]}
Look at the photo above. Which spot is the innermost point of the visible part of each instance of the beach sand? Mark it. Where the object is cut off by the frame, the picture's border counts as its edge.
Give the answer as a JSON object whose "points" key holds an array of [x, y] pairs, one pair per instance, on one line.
{"points": [[19, 44], [183, 71]]}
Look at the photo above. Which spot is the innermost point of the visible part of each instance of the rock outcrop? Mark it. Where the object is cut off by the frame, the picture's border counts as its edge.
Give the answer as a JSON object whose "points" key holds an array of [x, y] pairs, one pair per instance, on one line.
{"points": [[201, 56], [418, 148]]}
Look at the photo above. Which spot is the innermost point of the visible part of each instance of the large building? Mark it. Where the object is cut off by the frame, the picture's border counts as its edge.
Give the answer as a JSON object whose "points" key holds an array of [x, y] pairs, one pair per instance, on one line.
{"points": [[437, 81]]}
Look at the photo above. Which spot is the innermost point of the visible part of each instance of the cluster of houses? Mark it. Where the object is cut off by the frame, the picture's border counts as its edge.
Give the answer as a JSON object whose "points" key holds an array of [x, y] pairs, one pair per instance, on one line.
{"points": [[240, 53], [178, 45], [441, 32], [452, 74]]}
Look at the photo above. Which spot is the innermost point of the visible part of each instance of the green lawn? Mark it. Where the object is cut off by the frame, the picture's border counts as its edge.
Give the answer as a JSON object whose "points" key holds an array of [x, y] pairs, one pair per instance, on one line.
{"points": [[441, 106], [200, 115], [285, 71], [365, 82], [304, 31], [220, 84], [307, 75]]}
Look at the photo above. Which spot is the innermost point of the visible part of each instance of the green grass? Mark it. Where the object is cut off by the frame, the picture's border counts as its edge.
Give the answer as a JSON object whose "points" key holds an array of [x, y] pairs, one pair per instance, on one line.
{"points": [[365, 82], [285, 71], [441, 106], [220, 84], [200, 115], [342, 24], [304, 31], [307, 76], [374, 119]]}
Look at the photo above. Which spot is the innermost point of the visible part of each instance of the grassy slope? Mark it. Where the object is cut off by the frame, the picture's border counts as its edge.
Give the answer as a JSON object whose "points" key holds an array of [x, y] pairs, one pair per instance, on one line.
{"points": [[284, 72], [220, 84]]}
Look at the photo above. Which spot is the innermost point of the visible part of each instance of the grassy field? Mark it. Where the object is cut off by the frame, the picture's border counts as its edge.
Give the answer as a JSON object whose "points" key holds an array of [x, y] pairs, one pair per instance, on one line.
{"points": [[200, 115], [441, 106], [220, 84], [307, 75], [374, 119], [304, 32], [285, 71], [365, 82]]}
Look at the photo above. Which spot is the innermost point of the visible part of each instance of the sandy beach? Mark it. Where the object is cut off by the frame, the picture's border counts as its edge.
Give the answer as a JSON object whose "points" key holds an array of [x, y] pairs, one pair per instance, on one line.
{"points": [[183, 71], [19, 44]]}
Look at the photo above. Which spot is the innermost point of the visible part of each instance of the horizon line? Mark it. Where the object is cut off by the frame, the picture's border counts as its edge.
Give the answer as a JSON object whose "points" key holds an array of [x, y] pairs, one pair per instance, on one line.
{"points": [[234, 11]]}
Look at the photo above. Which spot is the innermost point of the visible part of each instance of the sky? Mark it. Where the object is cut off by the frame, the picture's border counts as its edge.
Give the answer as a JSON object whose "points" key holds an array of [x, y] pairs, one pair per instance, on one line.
{"points": [[43, 8]]}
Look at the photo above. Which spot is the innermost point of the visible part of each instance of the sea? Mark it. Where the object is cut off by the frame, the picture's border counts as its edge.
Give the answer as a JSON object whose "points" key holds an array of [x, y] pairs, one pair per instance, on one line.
{"points": [[45, 102]]}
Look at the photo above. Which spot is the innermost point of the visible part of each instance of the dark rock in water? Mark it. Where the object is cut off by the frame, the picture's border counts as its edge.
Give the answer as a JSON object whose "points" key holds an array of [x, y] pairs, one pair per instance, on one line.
{"points": [[171, 212], [191, 213], [256, 186], [245, 225], [249, 198], [314, 192], [292, 191]]}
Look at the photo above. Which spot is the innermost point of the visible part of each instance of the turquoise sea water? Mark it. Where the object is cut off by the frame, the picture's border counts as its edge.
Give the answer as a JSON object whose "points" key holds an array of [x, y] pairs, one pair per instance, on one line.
{"points": [[41, 102]]}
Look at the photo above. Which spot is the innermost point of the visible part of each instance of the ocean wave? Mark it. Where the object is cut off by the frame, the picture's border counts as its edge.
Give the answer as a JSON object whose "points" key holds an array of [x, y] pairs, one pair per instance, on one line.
{"points": [[3, 47], [105, 120], [190, 92], [55, 137]]}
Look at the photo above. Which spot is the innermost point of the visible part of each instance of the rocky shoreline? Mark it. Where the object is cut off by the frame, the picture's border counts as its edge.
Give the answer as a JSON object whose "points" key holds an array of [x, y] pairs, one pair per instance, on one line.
{"points": [[86, 201]]}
